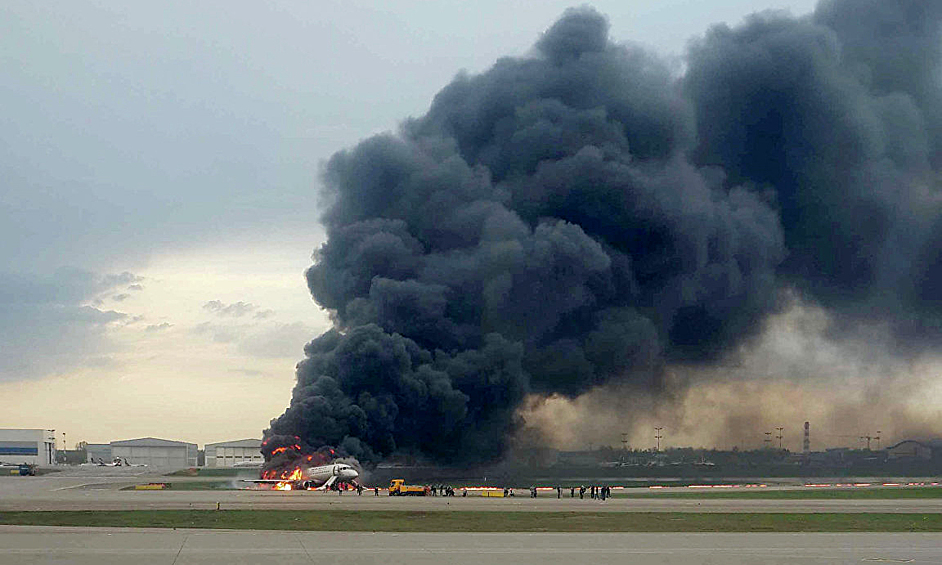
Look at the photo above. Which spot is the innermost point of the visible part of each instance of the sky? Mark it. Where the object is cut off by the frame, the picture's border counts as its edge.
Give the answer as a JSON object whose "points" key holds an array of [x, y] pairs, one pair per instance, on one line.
{"points": [[158, 196]]}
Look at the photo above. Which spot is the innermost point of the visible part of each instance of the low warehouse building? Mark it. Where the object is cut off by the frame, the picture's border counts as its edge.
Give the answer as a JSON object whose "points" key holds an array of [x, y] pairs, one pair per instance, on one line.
{"points": [[909, 449], [154, 452], [230, 453], [36, 447], [98, 453]]}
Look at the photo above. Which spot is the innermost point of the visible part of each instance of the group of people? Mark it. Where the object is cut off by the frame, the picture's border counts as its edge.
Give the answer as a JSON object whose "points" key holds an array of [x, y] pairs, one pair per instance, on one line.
{"points": [[443, 490], [595, 492], [340, 487]]}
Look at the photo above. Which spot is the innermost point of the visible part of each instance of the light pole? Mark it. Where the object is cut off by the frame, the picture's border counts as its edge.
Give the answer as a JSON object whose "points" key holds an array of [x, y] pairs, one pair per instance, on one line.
{"points": [[779, 436], [657, 437]]}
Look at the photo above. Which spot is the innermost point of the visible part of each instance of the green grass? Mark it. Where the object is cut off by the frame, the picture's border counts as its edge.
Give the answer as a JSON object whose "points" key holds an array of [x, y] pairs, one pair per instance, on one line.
{"points": [[458, 521], [202, 485], [802, 494]]}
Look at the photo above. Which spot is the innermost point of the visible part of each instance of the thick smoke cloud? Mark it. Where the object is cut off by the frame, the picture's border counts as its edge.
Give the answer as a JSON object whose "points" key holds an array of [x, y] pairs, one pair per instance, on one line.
{"points": [[582, 217], [838, 114]]}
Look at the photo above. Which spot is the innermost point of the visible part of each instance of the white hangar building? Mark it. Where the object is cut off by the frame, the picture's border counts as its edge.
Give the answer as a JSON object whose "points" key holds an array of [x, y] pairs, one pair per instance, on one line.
{"points": [[37, 447], [154, 452], [230, 453]]}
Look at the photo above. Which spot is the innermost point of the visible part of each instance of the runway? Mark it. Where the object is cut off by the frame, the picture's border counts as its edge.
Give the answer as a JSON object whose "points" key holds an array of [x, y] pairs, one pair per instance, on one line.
{"points": [[103, 492], [103, 546]]}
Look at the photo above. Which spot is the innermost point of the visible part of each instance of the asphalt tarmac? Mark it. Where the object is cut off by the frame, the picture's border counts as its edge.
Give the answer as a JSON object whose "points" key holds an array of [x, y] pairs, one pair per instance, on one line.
{"points": [[105, 546], [100, 489]]}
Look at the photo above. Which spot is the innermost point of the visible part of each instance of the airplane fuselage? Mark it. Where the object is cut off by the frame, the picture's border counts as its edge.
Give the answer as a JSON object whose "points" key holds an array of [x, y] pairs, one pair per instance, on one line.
{"points": [[316, 477]]}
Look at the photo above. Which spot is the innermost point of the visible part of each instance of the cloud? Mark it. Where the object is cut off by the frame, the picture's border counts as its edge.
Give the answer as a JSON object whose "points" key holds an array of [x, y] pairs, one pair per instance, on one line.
{"points": [[217, 333], [280, 341], [112, 281], [158, 327], [50, 323], [264, 314], [136, 287], [96, 176], [247, 372], [234, 310], [133, 320], [121, 297], [262, 340]]}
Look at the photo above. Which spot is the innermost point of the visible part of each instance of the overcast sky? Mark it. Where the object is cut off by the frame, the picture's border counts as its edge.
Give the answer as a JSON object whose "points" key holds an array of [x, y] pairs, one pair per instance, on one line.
{"points": [[157, 198]]}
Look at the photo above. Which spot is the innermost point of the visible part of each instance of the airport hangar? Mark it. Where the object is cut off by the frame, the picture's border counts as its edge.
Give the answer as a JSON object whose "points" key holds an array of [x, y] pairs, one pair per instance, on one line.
{"points": [[229, 453], [155, 452], [36, 447], [95, 452]]}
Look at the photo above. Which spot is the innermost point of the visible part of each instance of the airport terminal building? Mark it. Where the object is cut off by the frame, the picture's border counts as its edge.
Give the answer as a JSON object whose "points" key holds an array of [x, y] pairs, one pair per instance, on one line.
{"points": [[36, 447], [154, 452], [230, 453]]}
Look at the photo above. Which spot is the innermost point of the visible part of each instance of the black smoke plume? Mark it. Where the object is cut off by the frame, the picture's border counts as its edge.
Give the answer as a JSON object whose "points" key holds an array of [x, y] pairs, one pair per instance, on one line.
{"points": [[582, 216]]}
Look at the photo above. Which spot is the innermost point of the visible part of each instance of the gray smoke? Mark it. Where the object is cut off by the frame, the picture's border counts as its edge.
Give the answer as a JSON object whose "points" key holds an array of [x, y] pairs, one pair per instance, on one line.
{"points": [[583, 217]]}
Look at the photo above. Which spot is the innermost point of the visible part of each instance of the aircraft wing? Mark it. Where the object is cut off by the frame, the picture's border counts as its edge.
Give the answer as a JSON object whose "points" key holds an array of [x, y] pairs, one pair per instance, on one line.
{"points": [[266, 481]]}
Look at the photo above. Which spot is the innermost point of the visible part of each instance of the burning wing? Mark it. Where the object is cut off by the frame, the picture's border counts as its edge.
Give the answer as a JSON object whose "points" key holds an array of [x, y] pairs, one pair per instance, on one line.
{"points": [[327, 484]]}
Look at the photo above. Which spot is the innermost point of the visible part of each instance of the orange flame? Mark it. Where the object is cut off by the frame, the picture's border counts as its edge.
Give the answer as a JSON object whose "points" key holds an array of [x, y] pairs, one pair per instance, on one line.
{"points": [[278, 450], [289, 478], [295, 474]]}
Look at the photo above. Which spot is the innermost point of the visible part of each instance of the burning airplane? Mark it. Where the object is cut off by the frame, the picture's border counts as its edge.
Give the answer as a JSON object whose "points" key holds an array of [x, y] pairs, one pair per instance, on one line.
{"points": [[308, 477]]}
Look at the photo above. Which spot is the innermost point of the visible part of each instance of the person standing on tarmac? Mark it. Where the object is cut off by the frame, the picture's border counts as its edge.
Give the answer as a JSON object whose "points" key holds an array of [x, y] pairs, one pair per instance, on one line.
{"points": [[559, 492]]}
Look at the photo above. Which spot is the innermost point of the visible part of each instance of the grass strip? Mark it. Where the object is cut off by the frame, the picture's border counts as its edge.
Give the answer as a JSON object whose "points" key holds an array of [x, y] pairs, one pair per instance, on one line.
{"points": [[881, 493], [459, 521]]}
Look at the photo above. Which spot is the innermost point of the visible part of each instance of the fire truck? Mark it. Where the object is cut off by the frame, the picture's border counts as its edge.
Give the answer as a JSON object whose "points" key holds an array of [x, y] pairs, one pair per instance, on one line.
{"points": [[23, 470]]}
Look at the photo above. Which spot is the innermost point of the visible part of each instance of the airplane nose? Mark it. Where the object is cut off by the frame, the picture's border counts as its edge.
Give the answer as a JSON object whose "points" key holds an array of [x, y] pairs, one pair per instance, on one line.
{"points": [[349, 474]]}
